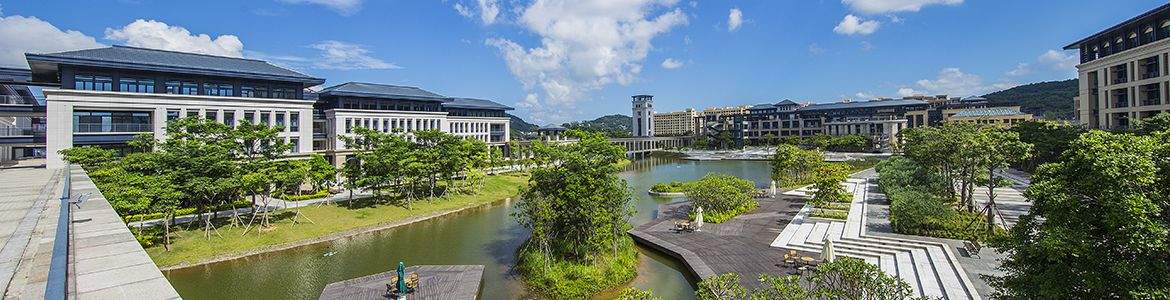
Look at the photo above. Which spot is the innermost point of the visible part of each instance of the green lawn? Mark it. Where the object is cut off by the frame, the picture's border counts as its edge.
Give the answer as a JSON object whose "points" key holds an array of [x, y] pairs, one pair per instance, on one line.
{"points": [[191, 247]]}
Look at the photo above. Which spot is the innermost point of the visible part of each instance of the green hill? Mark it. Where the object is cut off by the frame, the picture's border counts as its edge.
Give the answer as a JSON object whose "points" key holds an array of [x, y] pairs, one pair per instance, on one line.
{"points": [[611, 125], [1049, 99], [521, 128]]}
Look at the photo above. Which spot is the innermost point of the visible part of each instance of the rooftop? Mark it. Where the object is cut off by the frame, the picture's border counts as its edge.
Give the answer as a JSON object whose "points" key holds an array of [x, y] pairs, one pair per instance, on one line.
{"points": [[473, 103], [167, 61], [376, 90], [988, 112], [862, 104], [1160, 9]]}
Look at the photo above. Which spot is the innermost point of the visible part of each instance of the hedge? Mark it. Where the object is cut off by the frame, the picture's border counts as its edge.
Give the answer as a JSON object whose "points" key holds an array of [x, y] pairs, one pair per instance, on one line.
{"points": [[185, 211]]}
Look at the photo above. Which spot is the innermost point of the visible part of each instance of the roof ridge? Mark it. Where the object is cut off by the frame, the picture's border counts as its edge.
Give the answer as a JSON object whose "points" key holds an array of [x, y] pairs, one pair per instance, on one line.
{"points": [[179, 52]]}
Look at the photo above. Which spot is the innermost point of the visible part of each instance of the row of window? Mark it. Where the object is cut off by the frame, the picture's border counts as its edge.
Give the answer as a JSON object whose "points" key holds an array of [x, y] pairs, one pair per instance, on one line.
{"points": [[229, 117], [111, 122], [1126, 42], [392, 124], [180, 87]]}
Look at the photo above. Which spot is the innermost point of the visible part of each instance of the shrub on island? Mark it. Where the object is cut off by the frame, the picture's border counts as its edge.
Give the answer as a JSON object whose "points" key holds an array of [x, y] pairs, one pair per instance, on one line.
{"points": [[722, 196]]}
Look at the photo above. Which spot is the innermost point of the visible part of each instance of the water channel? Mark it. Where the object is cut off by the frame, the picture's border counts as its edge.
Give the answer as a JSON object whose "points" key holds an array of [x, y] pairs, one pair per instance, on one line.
{"points": [[487, 236]]}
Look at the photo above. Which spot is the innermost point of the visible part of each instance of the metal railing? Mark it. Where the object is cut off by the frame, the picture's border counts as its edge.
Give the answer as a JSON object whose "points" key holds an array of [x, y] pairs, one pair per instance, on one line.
{"points": [[21, 131], [58, 282], [113, 127]]}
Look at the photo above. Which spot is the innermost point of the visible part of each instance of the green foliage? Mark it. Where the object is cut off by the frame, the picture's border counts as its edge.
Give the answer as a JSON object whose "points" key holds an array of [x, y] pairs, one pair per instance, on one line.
{"points": [[391, 165], [578, 211], [828, 184], [89, 157], [1098, 227], [722, 196], [637, 294], [1149, 126], [916, 207], [670, 187], [721, 287], [793, 166], [318, 195], [844, 278], [1049, 138], [831, 214], [614, 126], [1050, 100], [183, 211]]}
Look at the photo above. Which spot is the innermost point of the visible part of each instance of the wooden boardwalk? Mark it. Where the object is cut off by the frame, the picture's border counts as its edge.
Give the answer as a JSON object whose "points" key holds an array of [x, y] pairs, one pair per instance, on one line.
{"points": [[435, 282], [740, 245]]}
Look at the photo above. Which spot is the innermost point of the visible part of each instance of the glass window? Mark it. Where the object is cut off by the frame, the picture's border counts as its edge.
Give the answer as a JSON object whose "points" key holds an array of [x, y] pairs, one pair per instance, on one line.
{"points": [[250, 117], [294, 122], [218, 89], [296, 144], [280, 119], [93, 83], [136, 85], [262, 92], [172, 115], [229, 118], [193, 113], [247, 91], [189, 88], [210, 115], [111, 121], [348, 125], [264, 118]]}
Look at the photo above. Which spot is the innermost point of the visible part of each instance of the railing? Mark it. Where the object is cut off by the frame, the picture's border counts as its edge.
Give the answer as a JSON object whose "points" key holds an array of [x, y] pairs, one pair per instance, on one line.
{"points": [[114, 127], [21, 131], [16, 100], [58, 281]]}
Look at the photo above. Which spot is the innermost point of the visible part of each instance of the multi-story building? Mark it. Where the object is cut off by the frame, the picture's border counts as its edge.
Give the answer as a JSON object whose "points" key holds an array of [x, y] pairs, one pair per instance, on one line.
{"points": [[106, 96], [1005, 116], [1124, 72], [643, 116], [675, 123], [22, 118], [970, 109]]}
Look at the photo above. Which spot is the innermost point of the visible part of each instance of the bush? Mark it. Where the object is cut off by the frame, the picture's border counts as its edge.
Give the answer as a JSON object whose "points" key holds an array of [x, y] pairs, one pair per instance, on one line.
{"points": [[722, 196], [561, 279], [637, 294], [918, 213], [671, 187], [185, 211]]}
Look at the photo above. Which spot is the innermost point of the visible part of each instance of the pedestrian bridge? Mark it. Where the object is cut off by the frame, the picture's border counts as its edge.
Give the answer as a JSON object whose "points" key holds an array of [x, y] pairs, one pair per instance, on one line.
{"points": [[642, 146]]}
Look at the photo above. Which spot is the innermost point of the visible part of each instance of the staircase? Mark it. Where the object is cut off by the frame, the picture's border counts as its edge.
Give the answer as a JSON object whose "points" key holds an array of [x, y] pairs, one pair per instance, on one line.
{"points": [[931, 268]]}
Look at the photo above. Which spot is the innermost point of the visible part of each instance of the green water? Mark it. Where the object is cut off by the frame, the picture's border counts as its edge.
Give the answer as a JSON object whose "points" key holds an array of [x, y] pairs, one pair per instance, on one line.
{"points": [[484, 236]]}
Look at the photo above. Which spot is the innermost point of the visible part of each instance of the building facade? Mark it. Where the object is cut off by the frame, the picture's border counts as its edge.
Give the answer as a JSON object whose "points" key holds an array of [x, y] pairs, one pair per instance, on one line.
{"points": [[643, 117], [675, 123], [1123, 72], [106, 96]]}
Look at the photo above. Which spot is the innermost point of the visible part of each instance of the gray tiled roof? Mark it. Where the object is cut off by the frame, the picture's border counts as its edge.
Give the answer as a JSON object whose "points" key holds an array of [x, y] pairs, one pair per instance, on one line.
{"points": [[173, 61], [474, 104], [786, 102], [375, 90], [862, 104], [988, 112]]}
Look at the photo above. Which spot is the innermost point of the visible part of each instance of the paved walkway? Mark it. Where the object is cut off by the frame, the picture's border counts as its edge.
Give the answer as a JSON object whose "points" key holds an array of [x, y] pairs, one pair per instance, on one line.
{"points": [[930, 267], [434, 282], [29, 202], [108, 262], [739, 245]]}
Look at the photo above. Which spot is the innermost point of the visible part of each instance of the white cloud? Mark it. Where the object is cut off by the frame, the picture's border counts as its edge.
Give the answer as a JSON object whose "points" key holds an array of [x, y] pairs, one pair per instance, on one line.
{"points": [[815, 49], [953, 82], [584, 46], [671, 64], [488, 11], [1058, 60], [337, 55], [889, 6], [464, 10], [1021, 69], [853, 25], [343, 7], [158, 35], [20, 35], [734, 19], [866, 46]]}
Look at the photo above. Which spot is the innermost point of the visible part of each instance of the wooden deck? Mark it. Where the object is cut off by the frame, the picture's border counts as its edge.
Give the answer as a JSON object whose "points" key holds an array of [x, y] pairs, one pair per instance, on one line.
{"points": [[740, 245], [435, 282]]}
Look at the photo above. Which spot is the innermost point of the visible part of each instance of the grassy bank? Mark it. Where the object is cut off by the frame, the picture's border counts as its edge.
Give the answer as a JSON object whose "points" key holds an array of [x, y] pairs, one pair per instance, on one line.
{"points": [[559, 279], [190, 247]]}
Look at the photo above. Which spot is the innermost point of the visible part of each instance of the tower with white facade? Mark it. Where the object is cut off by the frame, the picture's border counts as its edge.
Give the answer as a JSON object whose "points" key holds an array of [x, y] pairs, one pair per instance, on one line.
{"points": [[643, 116]]}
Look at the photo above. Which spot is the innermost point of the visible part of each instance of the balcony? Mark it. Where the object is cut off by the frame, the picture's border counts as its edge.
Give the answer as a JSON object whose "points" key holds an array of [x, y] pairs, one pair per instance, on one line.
{"points": [[22, 131], [113, 128]]}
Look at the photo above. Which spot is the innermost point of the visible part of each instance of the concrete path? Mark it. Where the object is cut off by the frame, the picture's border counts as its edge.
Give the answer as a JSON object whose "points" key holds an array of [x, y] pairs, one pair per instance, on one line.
{"points": [[29, 201]]}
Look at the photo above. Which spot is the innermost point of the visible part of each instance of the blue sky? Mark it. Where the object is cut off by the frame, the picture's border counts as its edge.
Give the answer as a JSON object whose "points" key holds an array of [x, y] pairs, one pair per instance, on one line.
{"points": [[564, 60]]}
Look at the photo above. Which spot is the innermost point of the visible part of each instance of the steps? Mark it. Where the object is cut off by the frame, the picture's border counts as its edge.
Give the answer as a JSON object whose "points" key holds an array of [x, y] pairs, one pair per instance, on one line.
{"points": [[931, 268]]}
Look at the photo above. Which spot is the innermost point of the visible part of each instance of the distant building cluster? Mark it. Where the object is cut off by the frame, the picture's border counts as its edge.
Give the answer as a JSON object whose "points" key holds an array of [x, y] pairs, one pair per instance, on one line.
{"points": [[879, 119]]}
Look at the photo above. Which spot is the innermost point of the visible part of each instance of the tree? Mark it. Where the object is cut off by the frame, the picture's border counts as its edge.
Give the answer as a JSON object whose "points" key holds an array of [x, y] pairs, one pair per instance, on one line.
{"points": [[200, 156], [792, 165], [780, 288], [769, 139], [851, 278], [89, 157], [722, 196], [1158, 123], [1098, 225], [997, 148], [725, 141], [827, 183], [1049, 139], [721, 287]]}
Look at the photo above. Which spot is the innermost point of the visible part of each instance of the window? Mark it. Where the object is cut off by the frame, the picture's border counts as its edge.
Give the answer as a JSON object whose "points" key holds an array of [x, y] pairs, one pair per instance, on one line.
{"points": [[93, 83], [348, 125], [247, 91], [111, 121], [294, 122], [182, 87], [283, 93], [136, 85], [210, 115], [296, 144], [172, 115], [218, 89], [264, 118], [194, 113], [280, 119], [250, 117], [260, 92], [229, 118]]}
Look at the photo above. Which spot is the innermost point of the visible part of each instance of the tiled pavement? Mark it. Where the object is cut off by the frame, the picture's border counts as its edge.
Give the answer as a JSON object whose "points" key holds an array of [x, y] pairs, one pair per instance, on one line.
{"points": [[28, 218]]}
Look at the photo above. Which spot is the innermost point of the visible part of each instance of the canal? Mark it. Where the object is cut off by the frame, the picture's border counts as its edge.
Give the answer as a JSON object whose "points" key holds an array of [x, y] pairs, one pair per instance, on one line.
{"points": [[485, 236]]}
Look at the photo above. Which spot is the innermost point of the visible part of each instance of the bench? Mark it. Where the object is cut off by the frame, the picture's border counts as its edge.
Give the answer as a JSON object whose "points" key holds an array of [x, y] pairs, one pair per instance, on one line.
{"points": [[411, 284], [972, 247]]}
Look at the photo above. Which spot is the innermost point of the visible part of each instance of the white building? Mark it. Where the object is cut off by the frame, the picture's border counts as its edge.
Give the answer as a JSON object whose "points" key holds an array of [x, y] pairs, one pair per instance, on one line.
{"points": [[643, 116]]}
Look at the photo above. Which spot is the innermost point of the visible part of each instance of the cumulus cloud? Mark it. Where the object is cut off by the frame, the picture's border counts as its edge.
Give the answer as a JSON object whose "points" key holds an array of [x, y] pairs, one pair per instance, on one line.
{"points": [[890, 6], [343, 7], [1059, 61], [584, 46], [853, 25], [337, 55], [953, 82], [734, 19], [671, 64], [158, 35], [20, 35]]}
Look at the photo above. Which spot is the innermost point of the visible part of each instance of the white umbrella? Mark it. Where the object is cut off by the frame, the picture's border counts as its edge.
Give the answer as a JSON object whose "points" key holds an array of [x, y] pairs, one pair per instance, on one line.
{"points": [[827, 251], [698, 218]]}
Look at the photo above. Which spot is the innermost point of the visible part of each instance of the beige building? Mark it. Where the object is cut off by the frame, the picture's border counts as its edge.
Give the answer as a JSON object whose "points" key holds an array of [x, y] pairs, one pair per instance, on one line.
{"points": [[1123, 72], [675, 123]]}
